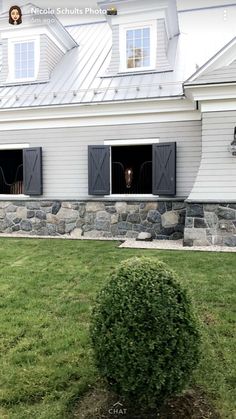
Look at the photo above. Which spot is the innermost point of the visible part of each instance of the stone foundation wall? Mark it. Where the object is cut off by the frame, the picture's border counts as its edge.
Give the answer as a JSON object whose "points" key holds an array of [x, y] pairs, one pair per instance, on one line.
{"points": [[164, 220], [208, 224]]}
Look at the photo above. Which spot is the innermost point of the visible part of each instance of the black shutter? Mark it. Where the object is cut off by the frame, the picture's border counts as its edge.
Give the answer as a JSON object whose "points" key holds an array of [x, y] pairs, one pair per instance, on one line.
{"points": [[164, 169], [32, 171], [99, 170]]}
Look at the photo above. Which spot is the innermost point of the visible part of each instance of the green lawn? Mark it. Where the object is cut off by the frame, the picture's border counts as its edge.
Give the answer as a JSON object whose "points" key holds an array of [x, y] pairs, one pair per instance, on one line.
{"points": [[47, 289]]}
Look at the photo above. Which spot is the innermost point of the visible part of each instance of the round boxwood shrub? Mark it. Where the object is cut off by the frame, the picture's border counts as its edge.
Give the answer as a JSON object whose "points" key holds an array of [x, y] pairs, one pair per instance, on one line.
{"points": [[144, 334]]}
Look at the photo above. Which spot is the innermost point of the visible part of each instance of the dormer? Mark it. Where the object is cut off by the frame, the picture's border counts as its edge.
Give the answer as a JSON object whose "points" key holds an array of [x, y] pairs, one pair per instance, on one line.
{"points": [[31, 50], [144, 35]]}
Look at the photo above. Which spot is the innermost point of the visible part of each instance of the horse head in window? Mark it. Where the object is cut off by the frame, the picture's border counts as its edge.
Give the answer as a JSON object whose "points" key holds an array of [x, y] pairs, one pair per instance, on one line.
{"points": [[129, 174]]}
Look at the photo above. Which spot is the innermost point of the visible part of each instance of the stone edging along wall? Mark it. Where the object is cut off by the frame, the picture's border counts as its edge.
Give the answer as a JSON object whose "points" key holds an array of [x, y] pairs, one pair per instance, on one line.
{"points": [[198, 224]]}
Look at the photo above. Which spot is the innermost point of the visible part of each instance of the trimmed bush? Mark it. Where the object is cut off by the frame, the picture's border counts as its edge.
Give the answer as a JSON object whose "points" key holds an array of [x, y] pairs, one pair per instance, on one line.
{"points": [[144, 335]]}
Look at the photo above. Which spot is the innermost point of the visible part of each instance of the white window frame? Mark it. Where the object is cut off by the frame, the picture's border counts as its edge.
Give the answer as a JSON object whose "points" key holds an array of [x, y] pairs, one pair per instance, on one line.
{"points": [[152, 25], [134, 141], [13, 147], [11, 58]]}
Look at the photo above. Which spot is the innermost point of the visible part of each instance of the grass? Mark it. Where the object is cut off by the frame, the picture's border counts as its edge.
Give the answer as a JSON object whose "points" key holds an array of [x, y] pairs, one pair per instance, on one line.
{"points": [[47, 288]]}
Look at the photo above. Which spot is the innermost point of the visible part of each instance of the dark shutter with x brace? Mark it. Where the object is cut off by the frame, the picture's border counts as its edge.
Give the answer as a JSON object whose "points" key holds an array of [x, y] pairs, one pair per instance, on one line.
{"points": [[164, 168], [32, 171], [99, 170]]}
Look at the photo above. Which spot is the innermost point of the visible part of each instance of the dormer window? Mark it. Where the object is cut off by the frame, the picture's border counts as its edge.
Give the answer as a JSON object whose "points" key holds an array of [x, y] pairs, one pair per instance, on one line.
{"points": [[137, 46], [23, 59]]}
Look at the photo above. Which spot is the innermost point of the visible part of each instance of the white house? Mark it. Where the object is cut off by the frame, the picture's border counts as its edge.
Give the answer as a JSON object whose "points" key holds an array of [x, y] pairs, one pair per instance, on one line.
{"points": [[112, 124]]}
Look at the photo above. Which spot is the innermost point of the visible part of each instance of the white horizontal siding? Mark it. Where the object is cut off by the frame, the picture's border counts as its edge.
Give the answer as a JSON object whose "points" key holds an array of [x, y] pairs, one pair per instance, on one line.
{"points": [[65, 152], [216, 178]]}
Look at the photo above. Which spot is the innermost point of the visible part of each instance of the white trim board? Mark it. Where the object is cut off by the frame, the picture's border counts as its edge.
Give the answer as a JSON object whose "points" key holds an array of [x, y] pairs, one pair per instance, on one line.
{"points": [[13, 146], [134, 141]]}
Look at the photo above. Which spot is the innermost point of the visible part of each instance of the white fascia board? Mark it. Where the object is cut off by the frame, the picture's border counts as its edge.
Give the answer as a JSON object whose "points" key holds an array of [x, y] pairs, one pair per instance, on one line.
{"points": [[20, 119], [211, 91], [217, 105]]}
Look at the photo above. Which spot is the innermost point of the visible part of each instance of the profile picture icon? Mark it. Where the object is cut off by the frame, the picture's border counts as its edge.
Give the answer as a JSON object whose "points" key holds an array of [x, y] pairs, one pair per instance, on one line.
{"points": [[15, 15]]}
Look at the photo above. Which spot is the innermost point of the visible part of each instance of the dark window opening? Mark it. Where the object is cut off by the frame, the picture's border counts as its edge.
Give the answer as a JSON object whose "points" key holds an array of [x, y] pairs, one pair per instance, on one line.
{"points": [[131, 169], [11, 172]]}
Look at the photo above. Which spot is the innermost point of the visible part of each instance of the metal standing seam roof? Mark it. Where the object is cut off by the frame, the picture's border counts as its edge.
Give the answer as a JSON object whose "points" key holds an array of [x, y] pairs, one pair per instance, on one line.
{"points": [[80, 76]]}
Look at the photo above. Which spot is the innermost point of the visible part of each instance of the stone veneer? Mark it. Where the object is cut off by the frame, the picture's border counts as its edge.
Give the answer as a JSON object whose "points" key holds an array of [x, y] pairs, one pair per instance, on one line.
{"points": [[163, 219], [210, 224]]}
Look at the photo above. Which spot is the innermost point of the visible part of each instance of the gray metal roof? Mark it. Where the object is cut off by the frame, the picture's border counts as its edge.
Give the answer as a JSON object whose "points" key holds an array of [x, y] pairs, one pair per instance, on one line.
{"points": [[80, 77]]}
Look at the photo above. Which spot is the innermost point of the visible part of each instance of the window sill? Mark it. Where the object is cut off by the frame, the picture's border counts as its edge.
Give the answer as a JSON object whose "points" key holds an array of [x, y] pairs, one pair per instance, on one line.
{"points": [[9, 197]]}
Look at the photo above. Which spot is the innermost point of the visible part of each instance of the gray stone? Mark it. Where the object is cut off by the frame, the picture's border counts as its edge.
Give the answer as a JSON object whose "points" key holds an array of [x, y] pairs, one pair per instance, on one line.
{"points": [[195, 210], [178, 205], [40, 214], [168, 205], [82, 210], [200, 223], [52, 219], [69, 227], [121, 207], [170, 219], [226, 213], [75, 206], [37, 224], [67, 214], [102, 221], [56, 207], [211, 219], [52, 229], [210, 207], [230, 241], [16, 220], [46, 204], [198, 235], [2, 213], [30, 214], [233, 206], [21, 212], [4, 204], [34, 205], [161, 207], [147, 206], [123, 216], [114, 218], [67, 205], [123, 225], [11, 208], [177, 235], [26, 225], [167, 231], [144, 236], [153, 216], [179, 228], [226, 225], [111, 210], [188, 242], [89, 218], [76, 233], [133, 218], [189, 222], [95, 206], [61, 227], [16, 228], [131, 234]]}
